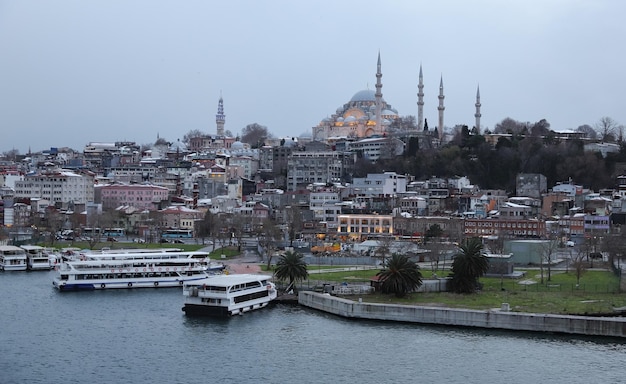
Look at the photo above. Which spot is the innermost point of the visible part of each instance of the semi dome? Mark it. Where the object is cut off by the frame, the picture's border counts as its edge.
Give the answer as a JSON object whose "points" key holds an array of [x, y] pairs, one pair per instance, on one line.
{"points": [[364, 95]]}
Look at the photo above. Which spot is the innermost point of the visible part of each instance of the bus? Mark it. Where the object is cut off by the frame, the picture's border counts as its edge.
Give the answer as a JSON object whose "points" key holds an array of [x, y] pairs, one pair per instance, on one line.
{"points": [[91, 232], [114, 232], [177, 234]]}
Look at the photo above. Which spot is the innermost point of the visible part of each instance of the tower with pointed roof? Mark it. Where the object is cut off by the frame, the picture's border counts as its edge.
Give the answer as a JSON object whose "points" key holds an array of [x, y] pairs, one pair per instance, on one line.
{"points": [[379, 97], [440, 108], [220, 118], [420, 101], [477, 115]]}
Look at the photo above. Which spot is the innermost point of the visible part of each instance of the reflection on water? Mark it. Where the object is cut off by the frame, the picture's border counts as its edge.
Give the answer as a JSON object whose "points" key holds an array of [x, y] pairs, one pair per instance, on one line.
{"points": [[142, 336]]}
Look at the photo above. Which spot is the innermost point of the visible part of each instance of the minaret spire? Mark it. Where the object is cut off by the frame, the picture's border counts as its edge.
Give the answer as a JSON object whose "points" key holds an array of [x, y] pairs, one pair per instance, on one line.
{"points": [[441, 108], [220, 118], [477, 115], [379, 96], [420, 100]]}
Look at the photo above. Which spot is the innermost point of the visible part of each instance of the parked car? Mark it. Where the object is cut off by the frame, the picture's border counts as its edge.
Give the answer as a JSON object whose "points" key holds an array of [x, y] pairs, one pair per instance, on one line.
{"points": [[111, 239], [570, 243], [178, 241], [595, 255], [163, 241]]}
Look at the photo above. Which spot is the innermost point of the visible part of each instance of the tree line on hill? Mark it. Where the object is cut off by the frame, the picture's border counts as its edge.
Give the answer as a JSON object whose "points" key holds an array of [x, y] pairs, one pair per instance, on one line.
{"points": [[533, 149]]}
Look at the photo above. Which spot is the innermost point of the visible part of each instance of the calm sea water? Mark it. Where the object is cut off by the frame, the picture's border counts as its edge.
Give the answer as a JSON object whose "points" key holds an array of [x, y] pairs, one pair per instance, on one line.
{"points": [[142, 336]]}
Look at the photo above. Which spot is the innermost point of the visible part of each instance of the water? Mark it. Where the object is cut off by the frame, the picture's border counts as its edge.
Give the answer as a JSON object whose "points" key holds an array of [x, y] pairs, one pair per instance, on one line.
{"points": [[142, 336]]}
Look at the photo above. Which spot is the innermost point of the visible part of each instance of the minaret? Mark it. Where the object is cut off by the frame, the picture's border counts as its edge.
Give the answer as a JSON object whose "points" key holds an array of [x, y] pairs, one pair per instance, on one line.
{"points": [[440, 108], [477, 115], [420, 101], [220, 118], [379, 97]]}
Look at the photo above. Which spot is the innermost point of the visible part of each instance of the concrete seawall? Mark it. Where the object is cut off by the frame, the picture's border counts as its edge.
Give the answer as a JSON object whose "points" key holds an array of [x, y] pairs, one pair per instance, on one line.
{"points": [[497, 319]]}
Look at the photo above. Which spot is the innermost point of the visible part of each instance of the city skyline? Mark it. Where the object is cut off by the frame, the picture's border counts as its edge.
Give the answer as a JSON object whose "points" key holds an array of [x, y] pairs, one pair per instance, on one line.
{"points": [[76, 72]]}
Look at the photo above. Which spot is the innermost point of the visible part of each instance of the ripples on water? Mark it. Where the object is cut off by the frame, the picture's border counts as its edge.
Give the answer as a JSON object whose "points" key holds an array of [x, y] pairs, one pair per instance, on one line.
{"points": [[142, 336]]}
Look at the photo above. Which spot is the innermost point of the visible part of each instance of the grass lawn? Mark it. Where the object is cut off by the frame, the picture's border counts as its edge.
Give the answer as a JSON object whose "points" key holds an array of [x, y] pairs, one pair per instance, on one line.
{"points": [[597, 292]]}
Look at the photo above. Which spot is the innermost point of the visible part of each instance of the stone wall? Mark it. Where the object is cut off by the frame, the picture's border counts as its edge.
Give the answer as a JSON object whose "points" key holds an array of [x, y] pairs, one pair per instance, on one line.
{"points": [[497, 318]]}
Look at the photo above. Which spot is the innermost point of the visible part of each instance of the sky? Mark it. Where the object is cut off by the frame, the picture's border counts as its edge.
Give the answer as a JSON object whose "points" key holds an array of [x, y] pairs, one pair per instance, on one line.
{"points": [[74, 72]]}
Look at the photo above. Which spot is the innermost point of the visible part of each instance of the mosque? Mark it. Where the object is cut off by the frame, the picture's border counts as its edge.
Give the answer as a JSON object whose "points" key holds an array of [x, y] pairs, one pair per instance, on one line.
{"points": [[367, 114]]}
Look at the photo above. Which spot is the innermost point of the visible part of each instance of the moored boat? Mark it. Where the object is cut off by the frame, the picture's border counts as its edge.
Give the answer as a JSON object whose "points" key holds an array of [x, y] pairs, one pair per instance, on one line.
{"points": [[227, 295], [128, 269], [38, 258], [12, 258]]}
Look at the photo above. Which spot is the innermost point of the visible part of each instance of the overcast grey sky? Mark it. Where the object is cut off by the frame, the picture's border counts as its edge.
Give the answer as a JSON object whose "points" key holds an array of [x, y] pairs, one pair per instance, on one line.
{"points": [[72, 72]]}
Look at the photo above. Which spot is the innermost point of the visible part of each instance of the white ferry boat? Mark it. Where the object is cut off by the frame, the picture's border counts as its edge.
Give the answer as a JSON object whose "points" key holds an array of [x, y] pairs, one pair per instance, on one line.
{"points": [[12, 258], [129, 269], [227, 295], [38, 258]]}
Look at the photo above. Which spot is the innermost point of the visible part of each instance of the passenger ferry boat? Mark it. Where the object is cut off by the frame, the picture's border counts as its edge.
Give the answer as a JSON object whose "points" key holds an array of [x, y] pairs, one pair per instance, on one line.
{"points": [[227, 295], [12, 258], [133, 269], [38, 258]]}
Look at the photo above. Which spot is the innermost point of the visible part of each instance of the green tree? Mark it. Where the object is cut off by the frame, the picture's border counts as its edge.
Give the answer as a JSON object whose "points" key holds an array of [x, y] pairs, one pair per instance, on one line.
{"points": [[434, 231], [400, 276], [292, 267], [469, 264]]}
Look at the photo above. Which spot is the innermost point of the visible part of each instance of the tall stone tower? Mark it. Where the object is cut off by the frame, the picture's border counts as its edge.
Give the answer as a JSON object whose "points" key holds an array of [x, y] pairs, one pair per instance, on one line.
{"points": [[477, 115], [379, 97], [420, 101], [220, 118], [440, 108]]}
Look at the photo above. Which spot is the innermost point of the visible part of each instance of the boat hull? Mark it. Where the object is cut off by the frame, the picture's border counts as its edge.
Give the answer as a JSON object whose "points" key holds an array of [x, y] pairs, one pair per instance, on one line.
{"points": [[98, 285], [217, 311], [20, 267]]}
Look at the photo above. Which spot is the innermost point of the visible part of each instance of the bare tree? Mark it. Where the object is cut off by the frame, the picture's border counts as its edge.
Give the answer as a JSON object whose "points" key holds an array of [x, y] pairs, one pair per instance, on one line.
{"points": [[192, 134], [588, 131], [254, 134], [268, 233], [511, 126], [206, 226], [437, 254], [607, 128], [11, 155], [548, 253], [294, 222], [238, 223], [579, 265], [383, 248]]}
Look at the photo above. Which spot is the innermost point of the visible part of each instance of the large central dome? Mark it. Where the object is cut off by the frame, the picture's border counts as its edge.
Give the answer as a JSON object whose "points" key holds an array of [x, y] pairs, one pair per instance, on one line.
{"points": [[364, 95]]}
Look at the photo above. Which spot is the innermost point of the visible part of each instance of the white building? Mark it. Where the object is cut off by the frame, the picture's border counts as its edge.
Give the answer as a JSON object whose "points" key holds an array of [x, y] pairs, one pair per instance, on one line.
{"points": [[375, 148], [62, 186], [380, 184]]}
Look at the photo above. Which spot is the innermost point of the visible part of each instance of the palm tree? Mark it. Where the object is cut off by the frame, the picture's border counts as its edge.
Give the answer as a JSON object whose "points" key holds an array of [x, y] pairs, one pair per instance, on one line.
{"points": [[400, 276], [291, 266], [469, 264]]}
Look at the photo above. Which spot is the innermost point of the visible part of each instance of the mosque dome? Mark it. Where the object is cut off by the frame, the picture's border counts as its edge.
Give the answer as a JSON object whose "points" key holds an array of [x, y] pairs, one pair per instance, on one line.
{"points": [[178, 146], [349, 119], [236, 145], [290, 142], [364, 95]]}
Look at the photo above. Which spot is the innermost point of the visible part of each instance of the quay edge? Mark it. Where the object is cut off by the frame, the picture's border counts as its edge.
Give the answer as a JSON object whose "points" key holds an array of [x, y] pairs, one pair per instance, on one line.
{"points": [[495, 319]]}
